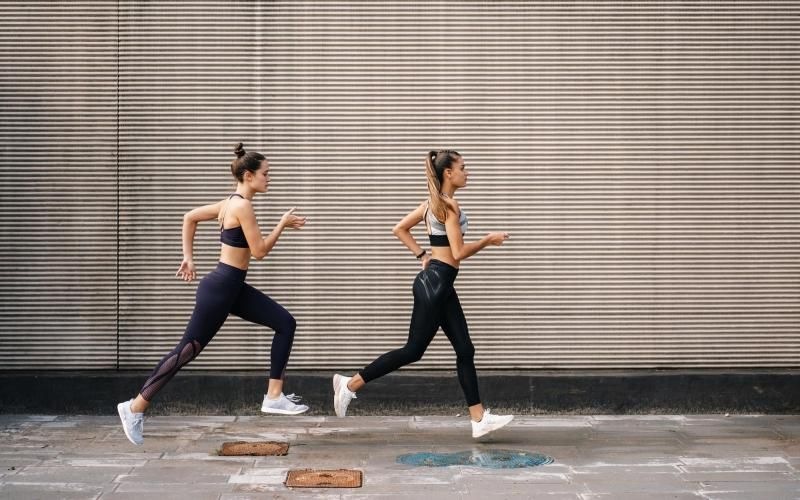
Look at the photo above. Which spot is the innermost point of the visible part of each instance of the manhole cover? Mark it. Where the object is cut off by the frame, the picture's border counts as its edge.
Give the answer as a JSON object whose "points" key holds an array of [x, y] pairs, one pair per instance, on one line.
{"points": [[490, 459], [310, 478], [258, 448]]}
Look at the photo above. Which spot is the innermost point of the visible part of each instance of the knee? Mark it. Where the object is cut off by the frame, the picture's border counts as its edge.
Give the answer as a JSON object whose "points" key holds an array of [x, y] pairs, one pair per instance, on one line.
{"points": [[412, 354], [288, 325], [465, 352], [291, 324]]}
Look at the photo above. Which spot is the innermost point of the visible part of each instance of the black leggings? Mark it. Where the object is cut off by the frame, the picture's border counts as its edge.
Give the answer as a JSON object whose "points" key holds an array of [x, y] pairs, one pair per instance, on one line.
{"points": [[435, 304], [219, 293]]}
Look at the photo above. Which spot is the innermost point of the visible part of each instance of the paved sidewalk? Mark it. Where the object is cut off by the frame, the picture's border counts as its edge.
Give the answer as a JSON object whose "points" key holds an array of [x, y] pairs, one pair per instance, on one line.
{"points": [[613, 457]]}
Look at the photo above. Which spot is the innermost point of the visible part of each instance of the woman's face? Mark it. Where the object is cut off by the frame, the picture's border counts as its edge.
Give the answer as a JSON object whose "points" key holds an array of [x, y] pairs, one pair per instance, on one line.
{"points": [[458, 173], [259, 180]]}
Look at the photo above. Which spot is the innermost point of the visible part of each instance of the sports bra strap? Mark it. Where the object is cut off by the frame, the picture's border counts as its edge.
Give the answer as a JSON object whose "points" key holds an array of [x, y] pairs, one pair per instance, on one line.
{"points": [[225, 210], [425, 217]]}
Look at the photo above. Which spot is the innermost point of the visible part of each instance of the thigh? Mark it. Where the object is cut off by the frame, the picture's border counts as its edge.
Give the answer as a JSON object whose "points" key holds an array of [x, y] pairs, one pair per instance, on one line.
{"points": [[454, 324], [254, 306], [213, 302], [427, 313]]}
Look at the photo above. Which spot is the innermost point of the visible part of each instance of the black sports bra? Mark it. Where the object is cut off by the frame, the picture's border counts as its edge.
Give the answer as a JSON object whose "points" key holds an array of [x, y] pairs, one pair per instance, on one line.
{"points": [[233, 236]]}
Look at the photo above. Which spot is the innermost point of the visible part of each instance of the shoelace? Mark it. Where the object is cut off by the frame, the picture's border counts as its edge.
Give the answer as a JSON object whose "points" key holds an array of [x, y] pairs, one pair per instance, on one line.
{"points": [[137, 421], [294, 398]]}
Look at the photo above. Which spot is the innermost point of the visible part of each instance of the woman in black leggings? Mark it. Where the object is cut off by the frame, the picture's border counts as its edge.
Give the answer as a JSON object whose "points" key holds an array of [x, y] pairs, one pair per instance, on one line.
{"points": [[224, 291], [435, 299]]}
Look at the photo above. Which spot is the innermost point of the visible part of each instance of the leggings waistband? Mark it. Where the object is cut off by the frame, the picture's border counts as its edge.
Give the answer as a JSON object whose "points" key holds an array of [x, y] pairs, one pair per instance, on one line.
{"points": [[443, 267], [228, 271]]}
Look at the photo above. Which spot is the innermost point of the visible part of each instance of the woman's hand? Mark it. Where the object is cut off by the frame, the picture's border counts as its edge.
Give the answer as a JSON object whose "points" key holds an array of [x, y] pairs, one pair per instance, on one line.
{"points": [[497, 238], [291, 220], [187, 270], [426, 259]]}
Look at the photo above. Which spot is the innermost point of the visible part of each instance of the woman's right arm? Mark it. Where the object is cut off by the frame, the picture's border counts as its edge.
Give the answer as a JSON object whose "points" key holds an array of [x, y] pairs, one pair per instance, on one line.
{"points": [[187, 271], [403, 229]]}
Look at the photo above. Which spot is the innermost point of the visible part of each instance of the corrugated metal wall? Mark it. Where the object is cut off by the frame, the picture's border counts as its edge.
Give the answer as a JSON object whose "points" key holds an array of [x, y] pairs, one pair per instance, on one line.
{"points": [[643, 156], [58, 185]]}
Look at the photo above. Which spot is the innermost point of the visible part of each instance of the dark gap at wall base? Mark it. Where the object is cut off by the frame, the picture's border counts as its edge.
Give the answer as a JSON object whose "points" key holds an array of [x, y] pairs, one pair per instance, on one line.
{"points": [[416, 393]]}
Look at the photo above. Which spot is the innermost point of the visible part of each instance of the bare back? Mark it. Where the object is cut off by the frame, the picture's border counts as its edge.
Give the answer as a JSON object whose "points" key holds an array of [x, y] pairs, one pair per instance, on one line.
{"points": [[228, 219]]}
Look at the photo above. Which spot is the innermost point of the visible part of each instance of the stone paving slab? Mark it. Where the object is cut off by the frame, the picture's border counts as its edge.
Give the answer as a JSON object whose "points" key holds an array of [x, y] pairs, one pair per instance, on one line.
{"points": [[765, 477], [639, 496], [162, 495], [735, 495], [48, 491], [67, 474], [596, 457]]}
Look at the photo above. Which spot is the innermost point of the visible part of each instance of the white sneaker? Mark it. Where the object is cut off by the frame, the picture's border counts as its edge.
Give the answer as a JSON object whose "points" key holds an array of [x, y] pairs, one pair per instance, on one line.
{"points": [[489, 423], [132, 423], [341, 394], [284, 405]]}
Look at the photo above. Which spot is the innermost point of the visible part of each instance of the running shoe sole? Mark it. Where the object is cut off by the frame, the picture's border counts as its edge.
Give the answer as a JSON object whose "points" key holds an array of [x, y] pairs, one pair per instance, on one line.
{"points": [[495, 429], [336, 383], [277, 411]]}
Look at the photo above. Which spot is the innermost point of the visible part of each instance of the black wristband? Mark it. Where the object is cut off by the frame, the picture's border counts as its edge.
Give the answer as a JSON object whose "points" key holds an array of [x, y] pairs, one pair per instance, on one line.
{"points": [[421, 254]]}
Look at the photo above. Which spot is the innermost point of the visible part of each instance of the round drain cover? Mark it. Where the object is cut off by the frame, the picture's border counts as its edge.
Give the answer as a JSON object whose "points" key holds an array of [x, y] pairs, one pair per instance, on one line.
{"points": [[491, 459]]}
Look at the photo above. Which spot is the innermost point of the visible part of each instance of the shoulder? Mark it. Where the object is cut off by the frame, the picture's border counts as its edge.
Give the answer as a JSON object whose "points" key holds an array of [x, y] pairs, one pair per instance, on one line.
{"points": [[420, 209], [237, 202], [239, 206], [452, 205]]}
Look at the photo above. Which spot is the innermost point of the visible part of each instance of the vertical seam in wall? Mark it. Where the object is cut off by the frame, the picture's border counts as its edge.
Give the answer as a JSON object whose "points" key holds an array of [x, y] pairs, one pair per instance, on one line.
{"points": [[117, 158]]}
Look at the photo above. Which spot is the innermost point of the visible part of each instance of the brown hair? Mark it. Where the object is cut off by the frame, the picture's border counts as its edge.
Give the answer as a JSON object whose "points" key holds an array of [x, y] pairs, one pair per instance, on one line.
{"points": [[435, 164], [245, 161]]}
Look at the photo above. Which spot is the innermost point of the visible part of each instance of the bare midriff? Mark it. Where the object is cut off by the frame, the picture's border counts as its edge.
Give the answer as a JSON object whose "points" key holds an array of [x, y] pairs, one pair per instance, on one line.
{"points": [[445, 255], [236, 257]]}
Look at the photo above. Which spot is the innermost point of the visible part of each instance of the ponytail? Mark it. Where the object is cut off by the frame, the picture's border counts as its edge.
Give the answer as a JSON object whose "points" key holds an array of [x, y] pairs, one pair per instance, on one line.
{"points": [[437, 205], [436, 162]]}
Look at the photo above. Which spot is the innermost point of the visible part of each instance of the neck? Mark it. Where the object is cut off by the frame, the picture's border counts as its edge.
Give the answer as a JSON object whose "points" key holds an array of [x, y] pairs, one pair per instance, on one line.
{"points": [[448, 190], [245, 191]]}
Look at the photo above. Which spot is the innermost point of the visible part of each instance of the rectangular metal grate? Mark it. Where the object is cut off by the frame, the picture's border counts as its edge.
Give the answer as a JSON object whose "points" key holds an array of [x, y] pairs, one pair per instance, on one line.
{"points": [[311, 478], [260, 448]]}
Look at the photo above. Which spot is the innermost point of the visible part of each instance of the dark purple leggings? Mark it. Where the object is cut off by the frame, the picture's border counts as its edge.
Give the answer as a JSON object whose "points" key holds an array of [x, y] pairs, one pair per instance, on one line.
{"points": [[222, 292]]}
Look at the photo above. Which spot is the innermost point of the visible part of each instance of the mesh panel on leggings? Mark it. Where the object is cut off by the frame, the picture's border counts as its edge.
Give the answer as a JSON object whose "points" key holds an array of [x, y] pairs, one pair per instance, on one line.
{"points": [[168, 367]]}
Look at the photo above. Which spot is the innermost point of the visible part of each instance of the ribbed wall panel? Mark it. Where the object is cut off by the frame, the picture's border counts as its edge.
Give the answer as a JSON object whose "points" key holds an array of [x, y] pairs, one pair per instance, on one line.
{"points": [[58, 185], [643, 156]]}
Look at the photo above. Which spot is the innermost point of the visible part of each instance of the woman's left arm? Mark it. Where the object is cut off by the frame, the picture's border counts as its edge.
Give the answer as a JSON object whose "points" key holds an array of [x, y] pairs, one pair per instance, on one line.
{"points": [[460, 249]]}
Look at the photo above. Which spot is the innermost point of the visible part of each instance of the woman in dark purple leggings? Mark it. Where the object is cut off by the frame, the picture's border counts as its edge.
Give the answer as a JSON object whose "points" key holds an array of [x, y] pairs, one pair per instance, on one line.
{"points": [[224, 291]]}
